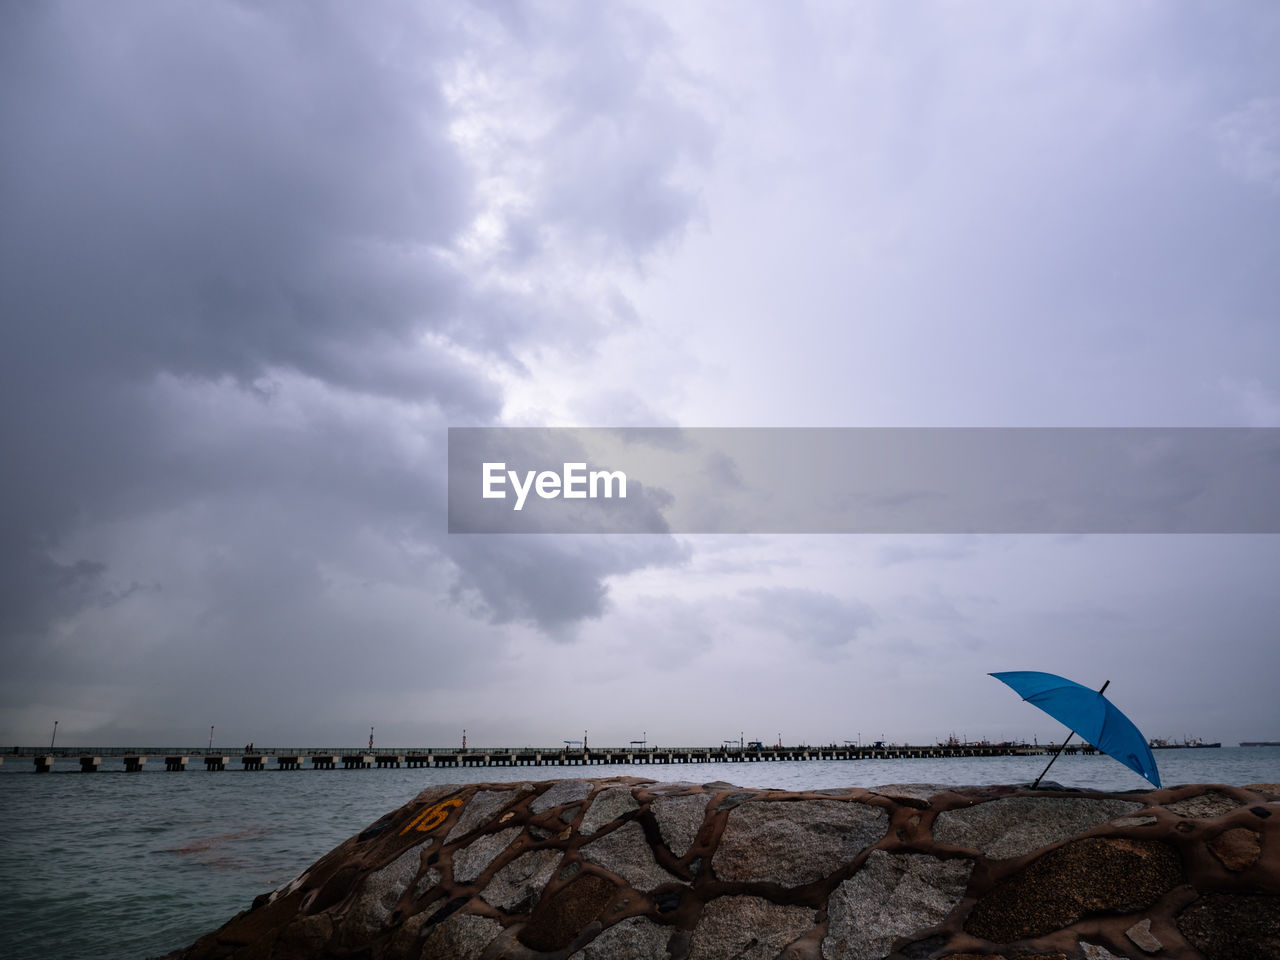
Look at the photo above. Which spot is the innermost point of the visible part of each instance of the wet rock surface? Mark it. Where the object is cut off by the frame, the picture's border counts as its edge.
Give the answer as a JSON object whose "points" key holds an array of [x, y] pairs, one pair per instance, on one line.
{"points": [[628, 869]]}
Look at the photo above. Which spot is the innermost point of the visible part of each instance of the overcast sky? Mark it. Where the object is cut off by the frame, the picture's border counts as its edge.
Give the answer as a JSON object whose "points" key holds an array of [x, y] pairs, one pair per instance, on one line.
{"points": [[255, 259]]}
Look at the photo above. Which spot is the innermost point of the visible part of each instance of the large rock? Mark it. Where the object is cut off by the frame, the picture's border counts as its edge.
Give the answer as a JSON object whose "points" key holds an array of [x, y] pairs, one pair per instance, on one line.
{"points": [[689, 872], [559, 920], [471, 861], [1233, 926], [679, 819], [460, 937], [1238, 848], [1210, 803], [632, 939], [1016, 826], [747, 928], [482, 808], [892, 896], [625, 852], [1091, 876], [518, 885], [606, 806], [795, 842], [561, 794], [379, 893]]}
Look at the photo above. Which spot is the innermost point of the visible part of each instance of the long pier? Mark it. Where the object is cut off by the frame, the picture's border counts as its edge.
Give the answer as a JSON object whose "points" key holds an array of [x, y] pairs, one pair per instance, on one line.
{"points": [[134, 760]]}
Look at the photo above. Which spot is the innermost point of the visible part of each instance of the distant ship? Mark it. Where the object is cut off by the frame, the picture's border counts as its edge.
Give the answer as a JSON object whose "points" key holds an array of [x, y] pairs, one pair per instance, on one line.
{"points": [[954, 741], [1190, 742], [1260, 743]]}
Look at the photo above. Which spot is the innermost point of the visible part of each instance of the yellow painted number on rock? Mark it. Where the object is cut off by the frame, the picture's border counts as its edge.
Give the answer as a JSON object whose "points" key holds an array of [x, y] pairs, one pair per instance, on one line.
{"points": [[433, 816]]}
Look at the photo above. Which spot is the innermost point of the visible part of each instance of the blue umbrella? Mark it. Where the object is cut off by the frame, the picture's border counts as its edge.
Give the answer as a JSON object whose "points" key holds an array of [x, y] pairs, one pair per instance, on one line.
{"points": [[1089, 714]]}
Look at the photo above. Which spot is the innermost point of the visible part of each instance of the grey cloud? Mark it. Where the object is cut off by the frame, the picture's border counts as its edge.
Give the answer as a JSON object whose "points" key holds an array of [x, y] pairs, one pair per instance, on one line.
{"points": [[176, 206], [235, 304], [607, 181], [39, 590], [554, 581], [810, 617]]}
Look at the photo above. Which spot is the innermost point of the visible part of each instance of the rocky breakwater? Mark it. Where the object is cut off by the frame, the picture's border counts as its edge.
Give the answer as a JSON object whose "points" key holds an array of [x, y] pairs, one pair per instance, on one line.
{"points": [[630, 869]]}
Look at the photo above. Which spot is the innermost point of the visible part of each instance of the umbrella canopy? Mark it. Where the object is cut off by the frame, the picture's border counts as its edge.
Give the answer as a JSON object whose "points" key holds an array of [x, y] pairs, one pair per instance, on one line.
{"points": [[1089, 714]]}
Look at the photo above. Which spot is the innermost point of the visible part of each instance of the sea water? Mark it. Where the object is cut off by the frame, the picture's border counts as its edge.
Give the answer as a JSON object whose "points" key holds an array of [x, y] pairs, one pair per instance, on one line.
{"points": [[132, 865]]}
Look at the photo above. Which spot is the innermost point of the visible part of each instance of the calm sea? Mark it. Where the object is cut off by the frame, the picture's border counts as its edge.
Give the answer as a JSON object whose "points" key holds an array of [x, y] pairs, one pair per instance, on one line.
{"points": [[119, 865]]}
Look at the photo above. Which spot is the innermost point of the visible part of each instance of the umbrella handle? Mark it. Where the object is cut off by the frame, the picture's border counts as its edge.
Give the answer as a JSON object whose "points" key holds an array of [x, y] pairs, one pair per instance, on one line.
{"points": [[1051, 759]]}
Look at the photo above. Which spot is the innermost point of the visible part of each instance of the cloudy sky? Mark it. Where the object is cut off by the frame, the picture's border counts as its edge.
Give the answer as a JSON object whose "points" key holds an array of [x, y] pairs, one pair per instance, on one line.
{"points": [[255, 259]]}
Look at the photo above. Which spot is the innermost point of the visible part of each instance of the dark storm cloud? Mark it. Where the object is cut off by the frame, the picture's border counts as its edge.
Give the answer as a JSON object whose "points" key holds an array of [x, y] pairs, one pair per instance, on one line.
{"points": [[555, 586], [220, 192], [231, 291]]}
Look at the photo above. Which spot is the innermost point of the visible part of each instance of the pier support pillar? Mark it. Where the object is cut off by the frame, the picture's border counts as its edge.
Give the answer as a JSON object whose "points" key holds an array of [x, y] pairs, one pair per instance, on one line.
{"points": [[216, 763], [175, 764], [90, 764], [134, 763], [44, 762]]}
